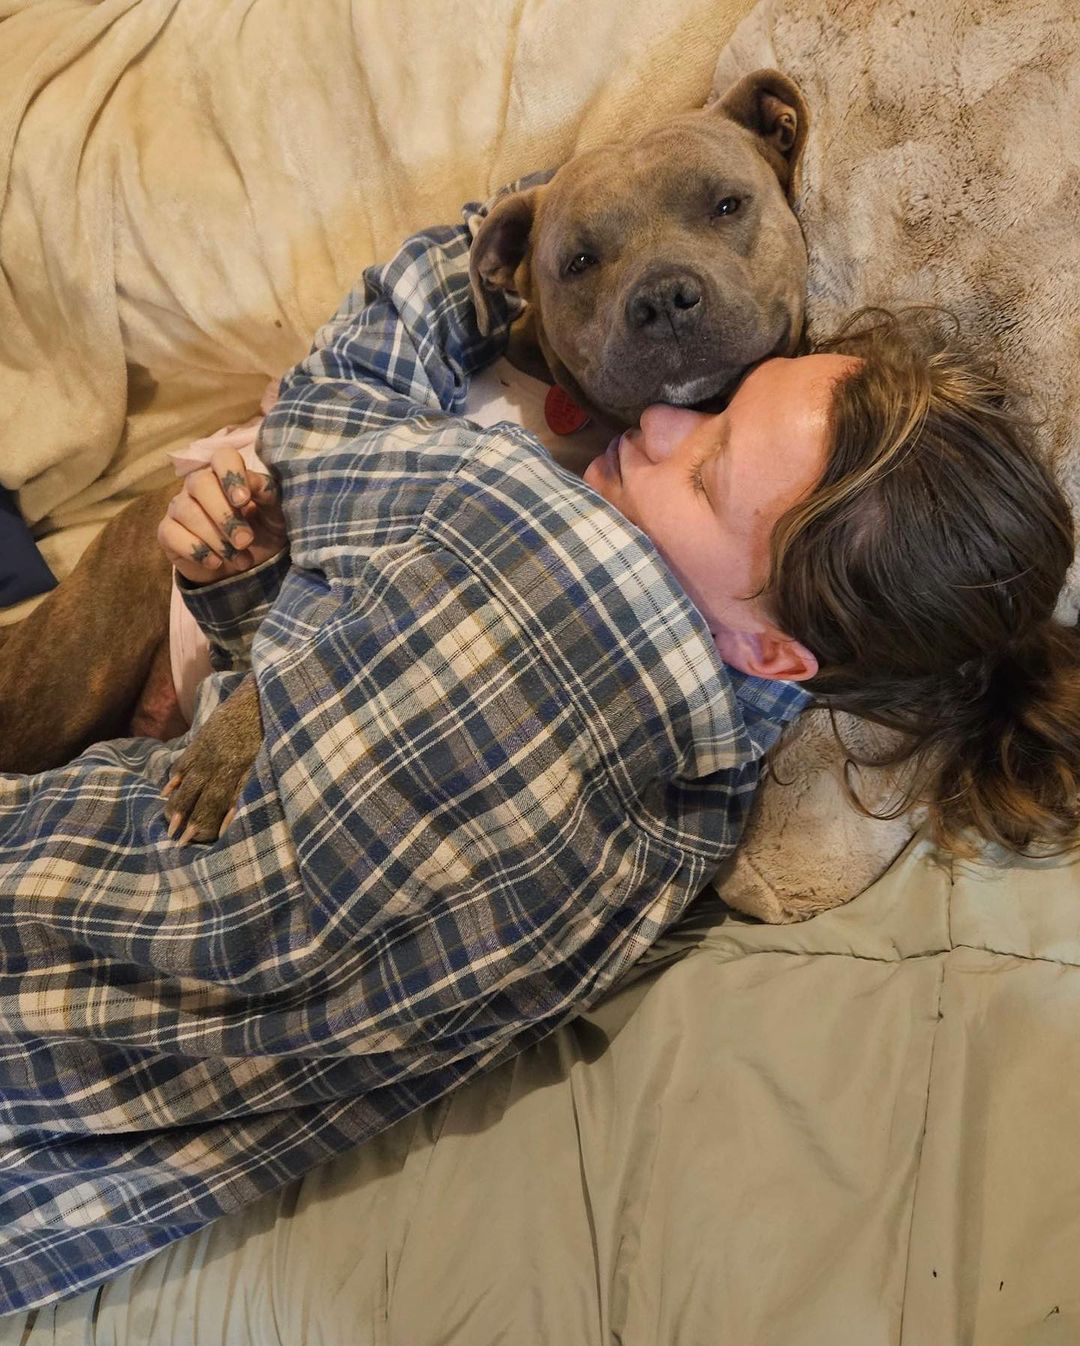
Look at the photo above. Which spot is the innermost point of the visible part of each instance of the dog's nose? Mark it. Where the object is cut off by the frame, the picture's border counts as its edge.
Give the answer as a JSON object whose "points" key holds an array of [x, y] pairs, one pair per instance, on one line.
{"points": [[664, 304]]}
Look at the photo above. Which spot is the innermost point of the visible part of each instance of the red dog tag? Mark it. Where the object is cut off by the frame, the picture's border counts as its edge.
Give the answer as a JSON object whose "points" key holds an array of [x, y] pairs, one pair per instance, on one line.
{"points": [[562, 413]]}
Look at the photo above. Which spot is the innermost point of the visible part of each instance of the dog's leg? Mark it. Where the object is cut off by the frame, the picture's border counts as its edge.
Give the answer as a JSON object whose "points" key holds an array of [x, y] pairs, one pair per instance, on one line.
{"points": [[72, 672], [210, 774], [157, 712]]}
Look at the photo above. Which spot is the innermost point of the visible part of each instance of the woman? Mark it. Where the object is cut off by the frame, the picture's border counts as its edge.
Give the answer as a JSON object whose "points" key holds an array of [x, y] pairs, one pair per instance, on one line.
{"points": [[906, 531], [503, 751]]}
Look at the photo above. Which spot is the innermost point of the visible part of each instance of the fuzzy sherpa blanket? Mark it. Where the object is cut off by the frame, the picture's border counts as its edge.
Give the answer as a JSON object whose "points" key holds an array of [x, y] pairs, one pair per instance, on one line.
{"points": [[942, 166]]}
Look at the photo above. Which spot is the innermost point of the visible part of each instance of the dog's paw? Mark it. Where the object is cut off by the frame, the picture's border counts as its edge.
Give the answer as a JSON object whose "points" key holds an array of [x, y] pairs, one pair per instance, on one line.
{"points": [[205, 784], [201, 799]]}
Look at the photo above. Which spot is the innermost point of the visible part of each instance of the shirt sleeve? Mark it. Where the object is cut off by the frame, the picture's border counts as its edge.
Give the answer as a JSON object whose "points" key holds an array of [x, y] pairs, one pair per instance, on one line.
{"points": [[365, 421], [229, 611], [370, 423]]}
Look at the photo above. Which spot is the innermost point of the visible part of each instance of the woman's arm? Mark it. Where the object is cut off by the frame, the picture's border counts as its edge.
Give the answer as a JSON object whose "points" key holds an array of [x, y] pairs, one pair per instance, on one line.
{"points": [[366, 427], [349, 433], [401, 347]]}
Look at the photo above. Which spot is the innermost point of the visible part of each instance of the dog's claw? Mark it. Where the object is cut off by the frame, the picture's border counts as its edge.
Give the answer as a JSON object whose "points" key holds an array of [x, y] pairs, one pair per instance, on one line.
{"points": [[195, 806], [205, 785]]}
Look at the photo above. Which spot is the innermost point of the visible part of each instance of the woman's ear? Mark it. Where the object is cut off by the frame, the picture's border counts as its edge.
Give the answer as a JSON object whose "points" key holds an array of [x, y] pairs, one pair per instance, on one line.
{"points": [[766, 654]]}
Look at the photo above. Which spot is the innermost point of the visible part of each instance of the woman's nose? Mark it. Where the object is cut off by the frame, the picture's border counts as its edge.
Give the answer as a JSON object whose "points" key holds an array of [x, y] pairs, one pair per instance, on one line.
{"points": [[663, 429]]}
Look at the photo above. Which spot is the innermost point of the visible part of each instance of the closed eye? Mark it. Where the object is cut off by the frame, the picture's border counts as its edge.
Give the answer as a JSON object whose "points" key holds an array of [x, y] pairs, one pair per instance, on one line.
{"points": [[697, 481], [697, 471]]}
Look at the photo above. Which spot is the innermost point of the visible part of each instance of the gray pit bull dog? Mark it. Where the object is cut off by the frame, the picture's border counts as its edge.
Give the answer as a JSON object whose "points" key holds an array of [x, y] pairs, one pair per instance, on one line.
{"points": [[654, 270], [660, 269]]}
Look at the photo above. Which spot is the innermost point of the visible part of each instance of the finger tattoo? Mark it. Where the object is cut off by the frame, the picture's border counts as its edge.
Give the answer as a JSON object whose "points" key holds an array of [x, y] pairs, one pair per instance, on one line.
{"points": [[233, 481], [200, 552]]}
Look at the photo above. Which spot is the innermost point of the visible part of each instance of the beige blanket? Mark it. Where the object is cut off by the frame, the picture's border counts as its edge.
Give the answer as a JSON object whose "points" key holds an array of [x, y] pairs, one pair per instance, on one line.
{"points": [[857, 1131], [944, 167]]}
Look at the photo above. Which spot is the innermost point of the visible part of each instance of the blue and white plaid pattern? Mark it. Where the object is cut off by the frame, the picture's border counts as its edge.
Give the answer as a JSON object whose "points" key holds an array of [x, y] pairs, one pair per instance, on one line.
{"points": [[501, 757]]}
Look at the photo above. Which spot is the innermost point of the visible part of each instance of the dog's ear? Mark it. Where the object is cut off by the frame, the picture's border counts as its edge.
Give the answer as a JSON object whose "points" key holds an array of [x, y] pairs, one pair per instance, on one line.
{"points": [[499, 248], [773, 108]]}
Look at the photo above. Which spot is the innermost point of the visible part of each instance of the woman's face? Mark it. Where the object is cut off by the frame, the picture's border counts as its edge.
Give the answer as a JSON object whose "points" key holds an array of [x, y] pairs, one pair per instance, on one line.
{"points": [[708, 489]]}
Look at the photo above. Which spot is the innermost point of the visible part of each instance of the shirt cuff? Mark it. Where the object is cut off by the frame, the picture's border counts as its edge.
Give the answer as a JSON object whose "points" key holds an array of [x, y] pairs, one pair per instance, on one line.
{"points": [[229, 611]]}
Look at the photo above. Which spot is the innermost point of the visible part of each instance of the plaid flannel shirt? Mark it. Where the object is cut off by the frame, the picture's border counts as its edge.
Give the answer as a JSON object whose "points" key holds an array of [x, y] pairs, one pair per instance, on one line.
{"points": [[501, 756]]}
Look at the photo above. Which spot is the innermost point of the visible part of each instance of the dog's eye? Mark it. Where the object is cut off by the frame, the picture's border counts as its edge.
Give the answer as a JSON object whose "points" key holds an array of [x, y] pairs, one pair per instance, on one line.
{"points": [[580, 262], [728, 206]]}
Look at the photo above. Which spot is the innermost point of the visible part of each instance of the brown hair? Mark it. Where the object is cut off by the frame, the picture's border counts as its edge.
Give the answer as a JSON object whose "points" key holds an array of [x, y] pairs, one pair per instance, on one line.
{"points": [[923, 572]]}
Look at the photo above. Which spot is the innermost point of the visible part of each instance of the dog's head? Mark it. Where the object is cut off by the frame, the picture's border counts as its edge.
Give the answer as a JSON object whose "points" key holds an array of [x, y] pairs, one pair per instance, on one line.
{"points": [[659, 269]]}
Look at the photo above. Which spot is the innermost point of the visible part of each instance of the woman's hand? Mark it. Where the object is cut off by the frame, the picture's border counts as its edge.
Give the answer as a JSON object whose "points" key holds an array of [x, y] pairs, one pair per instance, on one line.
{"points": [[224, 519]]}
